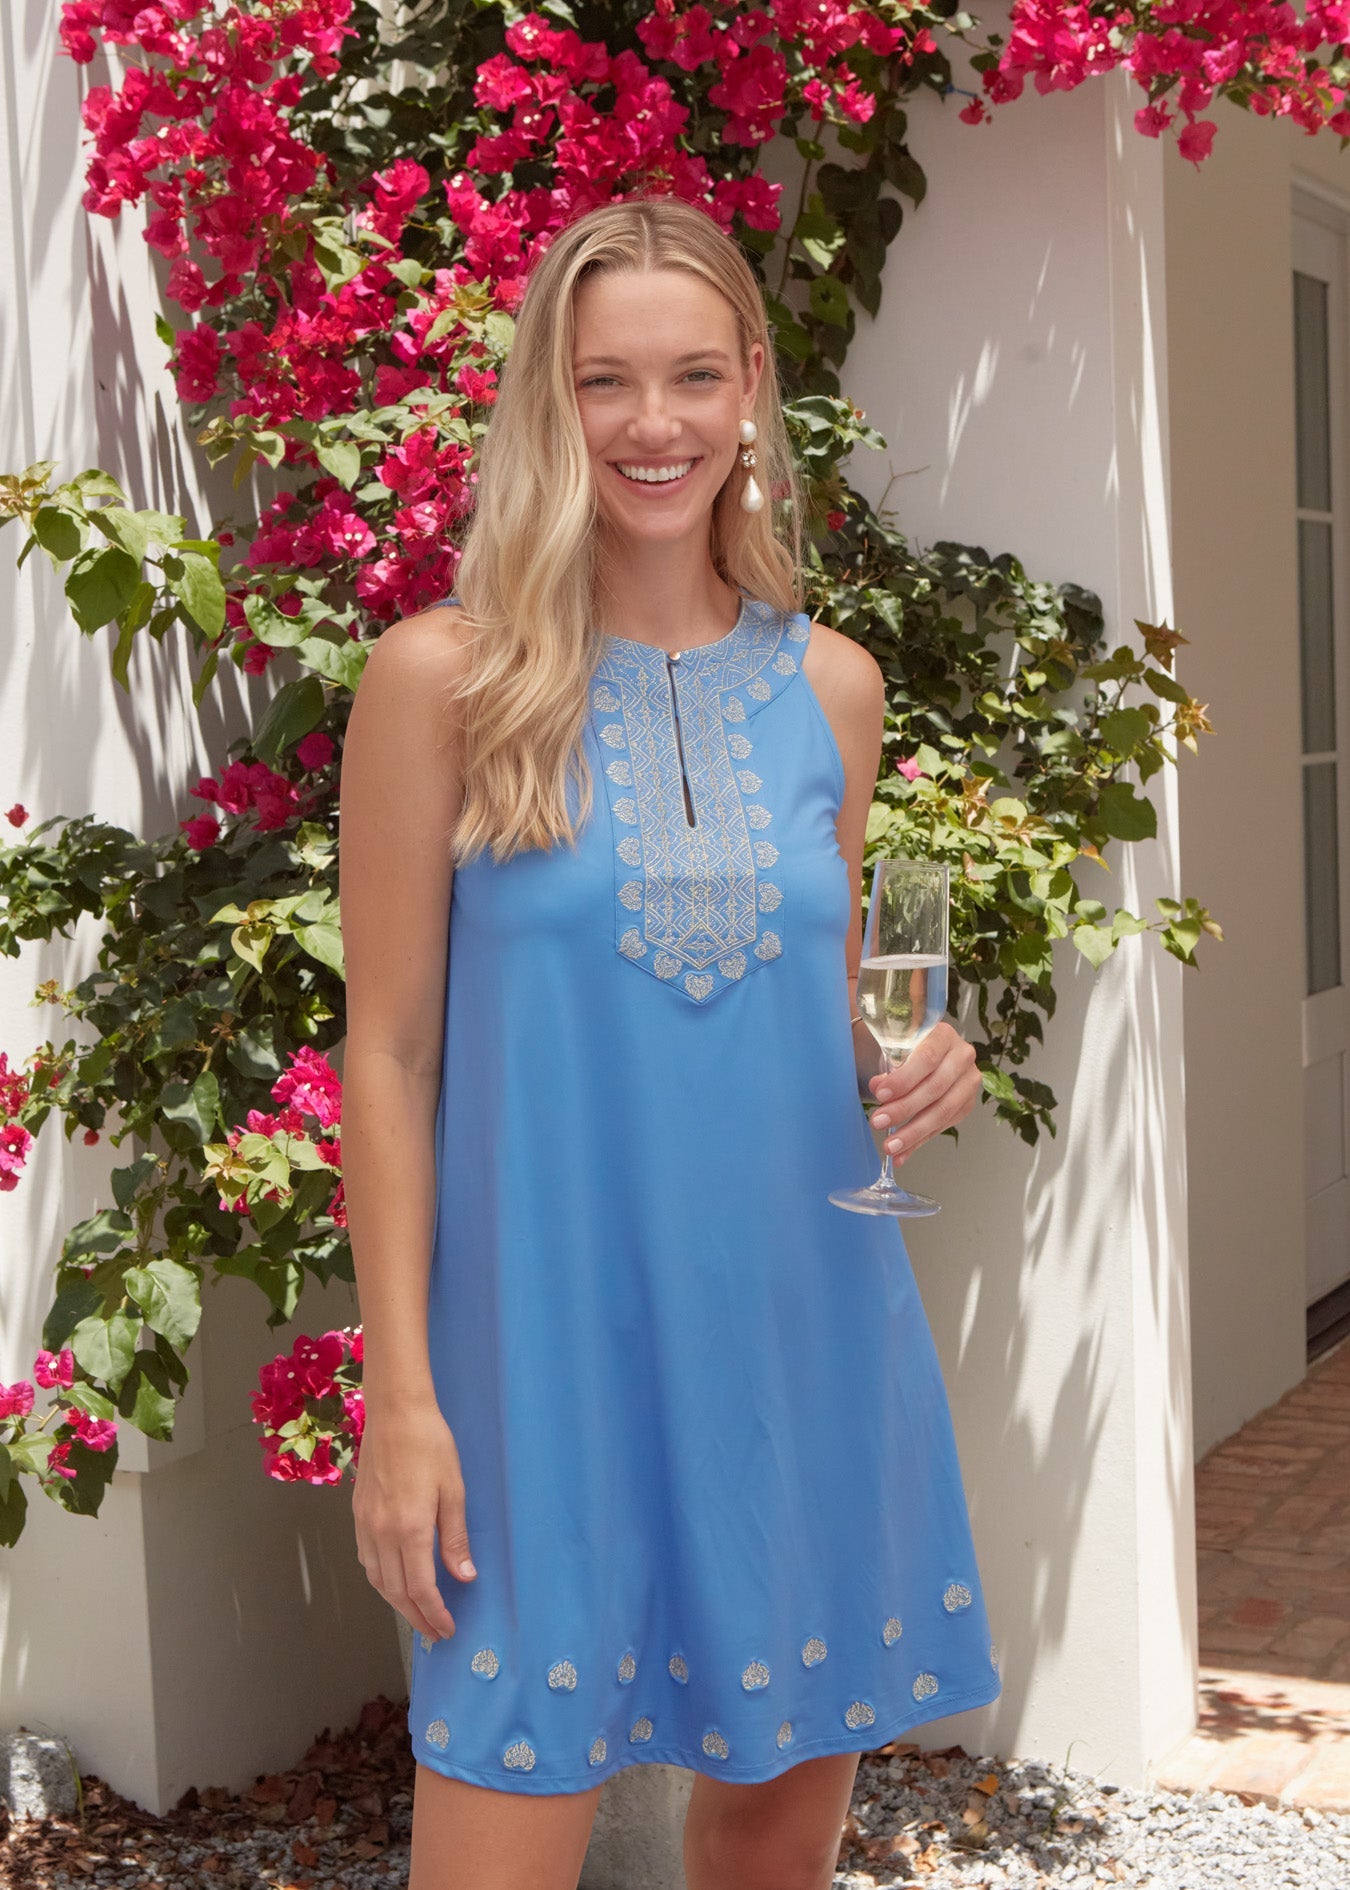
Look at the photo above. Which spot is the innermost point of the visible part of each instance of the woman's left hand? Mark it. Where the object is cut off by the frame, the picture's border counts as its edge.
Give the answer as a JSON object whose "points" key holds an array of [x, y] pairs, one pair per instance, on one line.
{"points": [[936, 1085]]}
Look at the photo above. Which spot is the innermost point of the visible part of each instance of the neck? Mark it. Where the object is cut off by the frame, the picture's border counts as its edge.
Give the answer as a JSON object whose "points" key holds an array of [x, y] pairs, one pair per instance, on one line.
{"points": [[664, 594]]}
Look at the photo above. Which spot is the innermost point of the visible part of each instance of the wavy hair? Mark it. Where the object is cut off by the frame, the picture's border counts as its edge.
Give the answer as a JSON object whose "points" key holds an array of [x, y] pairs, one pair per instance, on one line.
{"points": [[529, 567]]}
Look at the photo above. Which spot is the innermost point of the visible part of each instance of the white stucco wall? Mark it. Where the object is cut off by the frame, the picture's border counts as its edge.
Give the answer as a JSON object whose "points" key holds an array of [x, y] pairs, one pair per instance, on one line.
{"points": [[1230, 335], [208, 1622], [1018, 370]]}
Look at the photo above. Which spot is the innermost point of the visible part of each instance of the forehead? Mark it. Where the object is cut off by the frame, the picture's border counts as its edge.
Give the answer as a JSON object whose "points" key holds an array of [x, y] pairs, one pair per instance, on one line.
{"points": [[650, 315]]}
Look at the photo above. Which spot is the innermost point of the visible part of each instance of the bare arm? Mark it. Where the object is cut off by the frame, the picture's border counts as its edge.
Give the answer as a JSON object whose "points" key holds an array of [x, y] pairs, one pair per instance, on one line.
{"points": [[938, 1083], [400, 793]]}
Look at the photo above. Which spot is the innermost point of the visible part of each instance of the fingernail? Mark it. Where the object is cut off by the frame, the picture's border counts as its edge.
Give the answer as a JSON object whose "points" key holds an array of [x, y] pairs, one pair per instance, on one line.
{"points": [[882, 1122], [895, 1144], [467, 1568]]}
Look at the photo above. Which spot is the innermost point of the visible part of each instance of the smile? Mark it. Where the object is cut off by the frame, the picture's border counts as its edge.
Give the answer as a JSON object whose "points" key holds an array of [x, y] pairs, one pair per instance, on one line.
{"points": [[641, 475]]}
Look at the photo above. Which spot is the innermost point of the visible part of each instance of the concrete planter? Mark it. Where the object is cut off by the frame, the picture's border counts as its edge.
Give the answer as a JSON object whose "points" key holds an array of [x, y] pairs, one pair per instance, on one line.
{"points": [[637, 1840]]}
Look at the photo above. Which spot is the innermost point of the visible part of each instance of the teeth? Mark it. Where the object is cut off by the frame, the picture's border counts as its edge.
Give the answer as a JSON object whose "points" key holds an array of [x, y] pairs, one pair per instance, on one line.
{"points": [[656, 475]]}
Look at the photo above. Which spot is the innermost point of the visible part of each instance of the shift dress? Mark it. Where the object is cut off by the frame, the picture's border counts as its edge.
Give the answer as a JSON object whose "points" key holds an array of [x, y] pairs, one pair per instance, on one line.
{"points": [[712, 1487]]}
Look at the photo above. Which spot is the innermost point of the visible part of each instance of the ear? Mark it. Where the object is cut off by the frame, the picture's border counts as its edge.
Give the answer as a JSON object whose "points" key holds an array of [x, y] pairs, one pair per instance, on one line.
{"points": [[753, 371]]}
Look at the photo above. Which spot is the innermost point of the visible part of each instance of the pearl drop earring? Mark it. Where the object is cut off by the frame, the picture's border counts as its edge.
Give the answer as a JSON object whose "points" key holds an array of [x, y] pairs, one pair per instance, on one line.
{"points": [[752, 499]]}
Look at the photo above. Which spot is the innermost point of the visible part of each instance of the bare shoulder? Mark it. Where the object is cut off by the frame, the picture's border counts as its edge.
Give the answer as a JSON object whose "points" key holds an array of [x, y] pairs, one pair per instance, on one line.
{"points": [[847, 678], [426, 648]]}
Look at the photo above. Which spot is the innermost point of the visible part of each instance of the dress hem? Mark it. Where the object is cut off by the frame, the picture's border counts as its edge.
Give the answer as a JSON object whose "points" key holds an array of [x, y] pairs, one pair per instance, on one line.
{"points": [[879, 1735]]}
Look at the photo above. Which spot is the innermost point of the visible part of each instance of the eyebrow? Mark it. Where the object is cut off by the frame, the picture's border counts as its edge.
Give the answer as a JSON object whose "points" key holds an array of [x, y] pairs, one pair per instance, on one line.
{"points": [[615, 360]]}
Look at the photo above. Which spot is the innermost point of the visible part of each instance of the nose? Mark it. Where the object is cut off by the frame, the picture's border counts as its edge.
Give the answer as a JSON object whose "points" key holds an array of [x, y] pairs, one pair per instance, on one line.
{"points": [[653, 425]]}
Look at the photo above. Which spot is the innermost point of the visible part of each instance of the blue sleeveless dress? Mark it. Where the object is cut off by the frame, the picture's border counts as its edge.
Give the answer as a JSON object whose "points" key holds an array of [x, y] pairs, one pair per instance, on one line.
{"points": [[712, 1487]]}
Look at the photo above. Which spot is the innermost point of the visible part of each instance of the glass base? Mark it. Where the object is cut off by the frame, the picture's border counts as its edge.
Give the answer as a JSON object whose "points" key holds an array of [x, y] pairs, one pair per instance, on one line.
{"points": [[883, 1200]]}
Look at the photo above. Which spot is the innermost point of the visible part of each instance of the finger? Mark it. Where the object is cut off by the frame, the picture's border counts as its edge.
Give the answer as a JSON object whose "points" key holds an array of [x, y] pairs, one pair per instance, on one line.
{"points": [[454, 1535], [424, 1594], [398, 1560], [950, 1108], [921, 1060], [950, 1070]]}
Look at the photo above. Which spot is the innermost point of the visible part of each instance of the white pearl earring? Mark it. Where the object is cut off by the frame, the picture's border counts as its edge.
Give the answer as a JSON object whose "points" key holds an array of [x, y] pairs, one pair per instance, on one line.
{"points": [[752, 499]]}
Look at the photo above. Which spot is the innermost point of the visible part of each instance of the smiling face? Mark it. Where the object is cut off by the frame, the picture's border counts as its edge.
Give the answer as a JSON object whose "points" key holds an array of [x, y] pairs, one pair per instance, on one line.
{"points": [[661, 391]]}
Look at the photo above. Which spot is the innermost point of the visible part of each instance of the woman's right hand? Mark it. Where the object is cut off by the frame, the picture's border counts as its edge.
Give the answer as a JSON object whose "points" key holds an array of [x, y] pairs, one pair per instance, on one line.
{"points": [[410, 1489]]}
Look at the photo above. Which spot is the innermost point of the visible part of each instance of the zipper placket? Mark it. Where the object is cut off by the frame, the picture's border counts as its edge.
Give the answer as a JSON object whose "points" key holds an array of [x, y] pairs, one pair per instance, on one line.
{"points": [[673, 657]]}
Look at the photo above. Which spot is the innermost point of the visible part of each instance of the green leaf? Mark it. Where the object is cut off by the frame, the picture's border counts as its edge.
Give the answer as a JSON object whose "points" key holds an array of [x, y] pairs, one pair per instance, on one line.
{"points": [[168, 1294], [1095, 942], [135, 532], [58, 533], [146, 1397], [198, 587], [1123, 814], [829, 301], [128, 1182], [194, 1105], [1125, 729], [295, 709], [324, 942], [105, 1347], [341, 458], [102, 582]]}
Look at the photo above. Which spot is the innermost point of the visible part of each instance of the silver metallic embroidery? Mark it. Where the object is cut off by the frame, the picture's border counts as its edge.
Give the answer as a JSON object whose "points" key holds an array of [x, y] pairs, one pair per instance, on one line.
{"points": [[596, 1755], [438, 1734], [812, 1651], [925, 1685], [520, 1756], [679, 1668], [627, 1667], [755, 1675], [892, 1630], [715, 1745], [859, 1714], [784, 1732], [695, 886], [562, 1674], [485, 1662], [993, 1656], [428, 1642], [640, 1729], [956, 1595]]}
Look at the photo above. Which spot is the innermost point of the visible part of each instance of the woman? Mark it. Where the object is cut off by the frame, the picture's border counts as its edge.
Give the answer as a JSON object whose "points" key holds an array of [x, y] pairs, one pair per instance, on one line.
{"points": [[658, 1461]]}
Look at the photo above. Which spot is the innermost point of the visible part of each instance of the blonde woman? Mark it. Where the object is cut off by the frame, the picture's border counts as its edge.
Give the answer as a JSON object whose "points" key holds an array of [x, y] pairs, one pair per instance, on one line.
{"points": [[658, 1460]]}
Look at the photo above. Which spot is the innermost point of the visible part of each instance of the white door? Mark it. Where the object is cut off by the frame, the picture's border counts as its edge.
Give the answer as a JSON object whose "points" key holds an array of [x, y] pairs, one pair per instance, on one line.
{"points": [[1321, 378]]}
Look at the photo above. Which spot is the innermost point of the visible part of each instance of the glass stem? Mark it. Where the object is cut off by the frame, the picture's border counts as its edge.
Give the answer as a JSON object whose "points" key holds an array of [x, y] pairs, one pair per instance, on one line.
{"points": [[886, 1179]]}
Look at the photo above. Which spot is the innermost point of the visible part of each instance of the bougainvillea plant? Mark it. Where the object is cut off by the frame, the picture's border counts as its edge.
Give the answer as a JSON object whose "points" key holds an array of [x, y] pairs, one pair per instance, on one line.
{"points": [[347, 199], [1275, 60]]}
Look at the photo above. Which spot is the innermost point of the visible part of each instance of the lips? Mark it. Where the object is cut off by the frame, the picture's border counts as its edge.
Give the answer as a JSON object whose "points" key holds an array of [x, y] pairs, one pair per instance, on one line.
{"points": [[655, 485]]}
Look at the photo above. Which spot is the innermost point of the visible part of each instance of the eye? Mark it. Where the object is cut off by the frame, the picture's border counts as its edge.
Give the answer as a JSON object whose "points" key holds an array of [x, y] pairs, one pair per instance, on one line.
{"points": [[711, 373], [596, 379]]}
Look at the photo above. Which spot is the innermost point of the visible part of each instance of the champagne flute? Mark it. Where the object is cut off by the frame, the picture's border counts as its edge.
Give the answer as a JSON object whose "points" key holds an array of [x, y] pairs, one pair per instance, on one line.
{"points": [[902, 994]]}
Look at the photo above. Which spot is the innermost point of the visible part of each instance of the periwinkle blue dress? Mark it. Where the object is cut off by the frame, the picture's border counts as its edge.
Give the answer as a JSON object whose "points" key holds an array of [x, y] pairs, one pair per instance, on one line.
{"points": [[712, 1487]]}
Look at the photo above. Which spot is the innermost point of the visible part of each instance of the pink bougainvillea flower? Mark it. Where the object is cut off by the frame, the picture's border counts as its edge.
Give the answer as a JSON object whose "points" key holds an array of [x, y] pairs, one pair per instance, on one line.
{"points": [[17, 814], [311, 1085], [51, 1369], [16, 1400], [314, 750], [15, 1142], [95, 1433], [202, 831], [909, 768]]}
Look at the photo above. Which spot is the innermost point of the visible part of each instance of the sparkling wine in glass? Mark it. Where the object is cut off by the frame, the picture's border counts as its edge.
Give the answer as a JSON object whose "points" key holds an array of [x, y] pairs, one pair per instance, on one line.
{"points": [[902, 994]]}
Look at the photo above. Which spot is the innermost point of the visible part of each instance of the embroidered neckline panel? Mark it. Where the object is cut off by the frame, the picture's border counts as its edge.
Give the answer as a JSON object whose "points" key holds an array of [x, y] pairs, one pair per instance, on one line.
{"points": [[692, 904]]}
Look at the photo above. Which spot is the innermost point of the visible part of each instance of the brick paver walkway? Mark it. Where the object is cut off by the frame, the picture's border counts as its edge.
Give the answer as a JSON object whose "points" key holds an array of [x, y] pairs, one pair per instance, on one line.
{"points": [[1273, 1542]]}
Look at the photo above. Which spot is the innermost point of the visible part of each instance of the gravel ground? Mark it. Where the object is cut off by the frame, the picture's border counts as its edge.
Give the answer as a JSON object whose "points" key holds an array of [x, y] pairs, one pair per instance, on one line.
{"points": [[340, 1820]]}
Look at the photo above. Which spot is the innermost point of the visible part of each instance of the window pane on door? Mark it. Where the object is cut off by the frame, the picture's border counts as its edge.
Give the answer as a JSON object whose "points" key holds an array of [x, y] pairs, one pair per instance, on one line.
{"points": [[1316, 636], [1321, 877], [1312, 400]]}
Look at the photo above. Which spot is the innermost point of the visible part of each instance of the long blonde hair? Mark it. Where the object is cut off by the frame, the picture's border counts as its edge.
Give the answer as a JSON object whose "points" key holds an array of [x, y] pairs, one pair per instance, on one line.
{"points": [[528, 569]]}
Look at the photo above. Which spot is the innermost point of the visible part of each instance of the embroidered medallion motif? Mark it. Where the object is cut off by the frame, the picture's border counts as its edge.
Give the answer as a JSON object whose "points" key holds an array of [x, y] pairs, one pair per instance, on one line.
{"points": [[692, 899]]}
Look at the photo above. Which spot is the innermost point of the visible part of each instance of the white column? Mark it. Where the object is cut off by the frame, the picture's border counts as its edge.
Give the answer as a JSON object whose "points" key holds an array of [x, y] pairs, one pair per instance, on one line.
{"points": [[1018, 371], [208, 1622]]}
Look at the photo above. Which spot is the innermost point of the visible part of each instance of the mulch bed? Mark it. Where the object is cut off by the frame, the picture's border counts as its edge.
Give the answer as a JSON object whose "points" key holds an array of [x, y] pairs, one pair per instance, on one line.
{"points": [[329, 1817]]}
